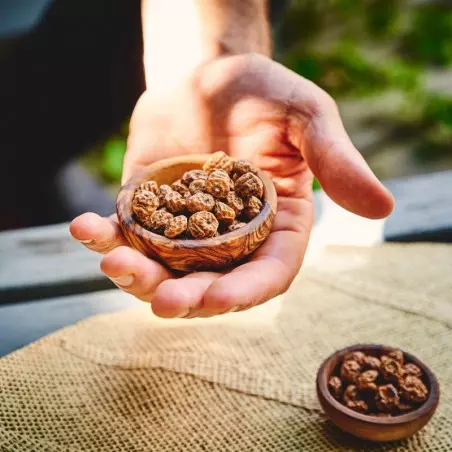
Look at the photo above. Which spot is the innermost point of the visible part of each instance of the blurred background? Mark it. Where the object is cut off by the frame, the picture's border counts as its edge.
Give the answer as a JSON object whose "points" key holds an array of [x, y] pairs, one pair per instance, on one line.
{"points": [[388, 63]]}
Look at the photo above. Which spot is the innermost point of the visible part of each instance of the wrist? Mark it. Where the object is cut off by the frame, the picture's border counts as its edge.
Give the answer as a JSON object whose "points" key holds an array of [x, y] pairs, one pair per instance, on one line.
{"points": [[181, 35]]}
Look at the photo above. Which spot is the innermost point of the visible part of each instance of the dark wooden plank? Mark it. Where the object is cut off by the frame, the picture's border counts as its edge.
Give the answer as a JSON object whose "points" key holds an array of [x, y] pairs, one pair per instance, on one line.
{"points": [[25, 322], [423, 208], [46, 262]]}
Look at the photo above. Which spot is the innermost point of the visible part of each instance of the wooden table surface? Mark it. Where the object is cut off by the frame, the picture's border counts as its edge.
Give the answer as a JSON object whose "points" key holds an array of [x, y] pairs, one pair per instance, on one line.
{"points": [[48, 280]]}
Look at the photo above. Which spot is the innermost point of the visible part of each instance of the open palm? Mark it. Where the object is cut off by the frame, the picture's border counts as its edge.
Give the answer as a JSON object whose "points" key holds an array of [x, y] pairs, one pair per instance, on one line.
{"points": [[252, 108]]}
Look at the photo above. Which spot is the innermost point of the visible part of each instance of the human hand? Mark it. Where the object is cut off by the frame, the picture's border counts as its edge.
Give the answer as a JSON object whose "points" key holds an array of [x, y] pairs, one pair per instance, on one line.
{"points": [[250, 107]]}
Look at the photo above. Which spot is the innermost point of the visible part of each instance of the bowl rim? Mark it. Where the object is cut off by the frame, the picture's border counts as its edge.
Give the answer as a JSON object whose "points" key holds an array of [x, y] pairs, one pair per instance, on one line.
{"points": [[125, 214], [426, 408]]}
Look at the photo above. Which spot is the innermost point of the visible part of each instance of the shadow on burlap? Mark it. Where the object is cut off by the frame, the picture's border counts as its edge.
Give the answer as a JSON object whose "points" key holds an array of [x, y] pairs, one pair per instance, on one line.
{"points": [[244, 382]]}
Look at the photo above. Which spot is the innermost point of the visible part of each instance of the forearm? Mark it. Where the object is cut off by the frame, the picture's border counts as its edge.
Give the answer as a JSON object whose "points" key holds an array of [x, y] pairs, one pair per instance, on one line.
{"points": [[179, 35]]}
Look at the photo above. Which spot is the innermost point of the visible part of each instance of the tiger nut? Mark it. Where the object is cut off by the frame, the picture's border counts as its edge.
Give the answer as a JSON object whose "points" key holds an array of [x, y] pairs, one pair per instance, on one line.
{"points": [[352, 400], [200, 201], [218, 184], [391, 370], [174, 202], [244, 166], [181, 188], [355, 356], [335, 387], [164, 190], [387, 398], [197, 186], [193, 175], [224, 213], [396, 355], [202, 225], [367, 381], [218, 161], [233, 201], [249, 185], [144, 204], [253, 206], [159, 220], [412, 369], [371, 363], [150, 185], [413, 389], [350, 371], [176, 226]]}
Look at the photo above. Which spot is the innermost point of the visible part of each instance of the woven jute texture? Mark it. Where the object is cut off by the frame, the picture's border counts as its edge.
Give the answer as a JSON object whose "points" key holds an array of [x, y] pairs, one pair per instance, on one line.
{"points": [[243, 382]]}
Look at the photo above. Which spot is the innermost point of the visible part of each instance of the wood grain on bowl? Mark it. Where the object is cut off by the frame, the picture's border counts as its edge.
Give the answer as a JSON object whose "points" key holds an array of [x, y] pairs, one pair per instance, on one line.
{"points": [[193, 255], [368, 426]]}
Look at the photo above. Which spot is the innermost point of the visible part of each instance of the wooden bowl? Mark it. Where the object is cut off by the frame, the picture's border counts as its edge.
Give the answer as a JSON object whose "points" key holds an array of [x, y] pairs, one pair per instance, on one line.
{"points": [[193, 255], [371, 427]]}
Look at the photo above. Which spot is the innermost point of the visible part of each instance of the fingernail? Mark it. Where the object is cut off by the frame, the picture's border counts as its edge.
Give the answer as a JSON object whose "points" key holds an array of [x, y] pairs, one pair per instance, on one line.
{"points": [[85, 242], [182, 314], [123, 281]]}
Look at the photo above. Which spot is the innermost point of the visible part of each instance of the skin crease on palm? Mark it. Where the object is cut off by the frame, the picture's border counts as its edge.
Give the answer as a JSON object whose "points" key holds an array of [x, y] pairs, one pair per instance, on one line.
{"points": [[251, 107]]}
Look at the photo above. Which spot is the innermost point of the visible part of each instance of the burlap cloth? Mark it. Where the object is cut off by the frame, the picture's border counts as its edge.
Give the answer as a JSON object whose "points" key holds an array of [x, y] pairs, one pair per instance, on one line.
{"points": [[244, 382]]}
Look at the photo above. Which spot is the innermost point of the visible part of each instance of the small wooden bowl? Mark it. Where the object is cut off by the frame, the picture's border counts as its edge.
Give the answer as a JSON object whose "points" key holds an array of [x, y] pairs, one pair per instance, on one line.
{"points": [[371, 427], [193, 255]]}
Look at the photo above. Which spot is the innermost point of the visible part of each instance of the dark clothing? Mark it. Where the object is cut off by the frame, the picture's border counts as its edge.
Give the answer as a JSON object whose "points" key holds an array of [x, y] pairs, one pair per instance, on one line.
{"points": [[69, 82]]}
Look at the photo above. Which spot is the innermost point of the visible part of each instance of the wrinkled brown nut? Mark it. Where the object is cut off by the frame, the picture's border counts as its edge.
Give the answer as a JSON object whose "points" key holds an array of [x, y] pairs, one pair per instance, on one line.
{"points": [[351, 394], [218, 160], [253, 206], [200, 201], [197, 186], [350, 371], [249, 185], [224, 213], [391, 370], [412, 369], [150, 185], [413, 389], [144, 204], [387, 398], [355, 356], [218, 184], [193, 175], [233, 201], [360, 406], [174, 202], [404, 407], [176, 226], [352, 400], [397, 355], [236, 225], [181, 188], [335, 387], [371, 363], [367, 381], [164, 190], [159, 220], [384, 358], [203, 225], [244, 166]]}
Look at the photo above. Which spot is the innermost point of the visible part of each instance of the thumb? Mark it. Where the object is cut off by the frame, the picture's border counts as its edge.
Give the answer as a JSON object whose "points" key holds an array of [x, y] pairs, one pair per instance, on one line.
{"points": [[340, 168], [314, 126]]}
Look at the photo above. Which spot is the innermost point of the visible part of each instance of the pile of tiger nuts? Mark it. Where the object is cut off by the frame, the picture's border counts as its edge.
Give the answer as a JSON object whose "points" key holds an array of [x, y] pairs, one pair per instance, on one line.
{"points": [[205, 203], [385, 386]]}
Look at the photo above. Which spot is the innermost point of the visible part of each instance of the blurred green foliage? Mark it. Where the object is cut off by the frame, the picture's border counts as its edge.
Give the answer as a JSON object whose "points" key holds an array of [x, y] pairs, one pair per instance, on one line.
{"points": [[360, 49]]}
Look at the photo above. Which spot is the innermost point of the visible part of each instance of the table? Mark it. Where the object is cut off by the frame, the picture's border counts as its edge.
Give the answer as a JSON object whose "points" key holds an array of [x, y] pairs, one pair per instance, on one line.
{"points": [[49, 281]]}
